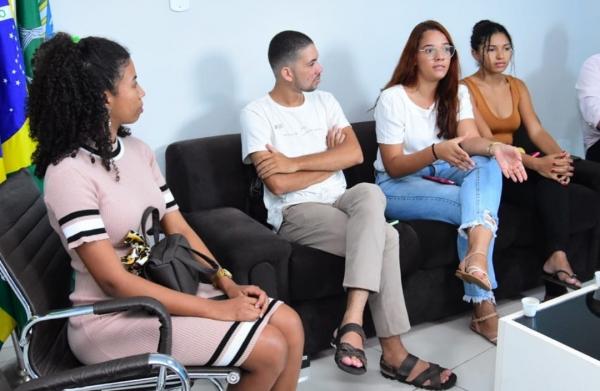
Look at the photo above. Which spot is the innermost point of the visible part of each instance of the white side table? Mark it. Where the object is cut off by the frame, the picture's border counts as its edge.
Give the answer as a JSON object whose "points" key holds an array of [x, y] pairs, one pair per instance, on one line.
{"points": [[529, 357]]}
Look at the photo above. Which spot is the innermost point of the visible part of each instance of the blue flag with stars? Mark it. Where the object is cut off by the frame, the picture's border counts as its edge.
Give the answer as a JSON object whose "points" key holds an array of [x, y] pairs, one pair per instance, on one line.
{"points": [[16, 146], [14, 128]]}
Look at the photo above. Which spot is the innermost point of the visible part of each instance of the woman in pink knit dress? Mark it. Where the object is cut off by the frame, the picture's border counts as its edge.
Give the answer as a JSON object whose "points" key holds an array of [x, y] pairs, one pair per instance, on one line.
{"points": [[98, 180]]}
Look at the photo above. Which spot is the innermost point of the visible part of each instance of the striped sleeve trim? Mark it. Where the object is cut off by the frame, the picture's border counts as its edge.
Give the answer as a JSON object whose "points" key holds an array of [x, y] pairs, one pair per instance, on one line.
{"points": [[77, 214], [168, 196], [82, 226]]}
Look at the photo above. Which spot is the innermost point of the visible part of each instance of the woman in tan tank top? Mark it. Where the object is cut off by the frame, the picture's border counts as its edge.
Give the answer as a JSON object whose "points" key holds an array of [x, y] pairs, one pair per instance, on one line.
{"points": [[501, 105]]}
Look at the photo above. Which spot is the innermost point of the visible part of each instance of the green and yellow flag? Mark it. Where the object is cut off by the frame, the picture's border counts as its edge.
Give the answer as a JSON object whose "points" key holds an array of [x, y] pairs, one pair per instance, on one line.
{"points": [[18, 41]]}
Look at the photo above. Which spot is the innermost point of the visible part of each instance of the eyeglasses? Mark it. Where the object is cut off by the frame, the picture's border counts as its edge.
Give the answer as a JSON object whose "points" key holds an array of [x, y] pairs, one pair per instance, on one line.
{"points": [[432, 52]]}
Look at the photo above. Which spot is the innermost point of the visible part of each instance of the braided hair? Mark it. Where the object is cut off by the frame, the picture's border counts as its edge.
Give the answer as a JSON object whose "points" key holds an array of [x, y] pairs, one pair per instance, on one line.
{"points": [[67, 102]]}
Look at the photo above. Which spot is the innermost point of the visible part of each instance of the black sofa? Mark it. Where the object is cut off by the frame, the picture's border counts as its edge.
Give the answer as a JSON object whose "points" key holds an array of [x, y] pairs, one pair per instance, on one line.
{"points": [[222, 200]]}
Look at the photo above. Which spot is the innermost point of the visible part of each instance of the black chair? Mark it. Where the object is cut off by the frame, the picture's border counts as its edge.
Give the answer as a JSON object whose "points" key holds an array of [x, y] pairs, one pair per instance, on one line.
{"points": [[36, 267]]}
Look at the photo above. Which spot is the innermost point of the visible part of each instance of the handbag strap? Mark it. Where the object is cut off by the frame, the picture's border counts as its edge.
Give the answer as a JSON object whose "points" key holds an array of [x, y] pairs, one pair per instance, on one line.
{"points": [[195, 265], [155, 223], [155, 233]]}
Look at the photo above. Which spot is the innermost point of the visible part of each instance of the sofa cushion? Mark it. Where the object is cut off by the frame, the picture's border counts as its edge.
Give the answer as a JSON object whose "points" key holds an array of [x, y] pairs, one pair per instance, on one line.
{"points": [[314, 274], [207, 173], [437, 243], [410, 249], [365, 133], [515, 227], [252, 252]]}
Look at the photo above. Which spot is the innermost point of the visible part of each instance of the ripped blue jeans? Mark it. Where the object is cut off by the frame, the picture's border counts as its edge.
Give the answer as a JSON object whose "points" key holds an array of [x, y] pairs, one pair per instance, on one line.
{"points": [[474, 200]]}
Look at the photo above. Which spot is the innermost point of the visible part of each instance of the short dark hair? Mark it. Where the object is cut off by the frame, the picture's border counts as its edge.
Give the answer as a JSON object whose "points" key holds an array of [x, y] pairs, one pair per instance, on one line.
{"points": [[285, 46]]}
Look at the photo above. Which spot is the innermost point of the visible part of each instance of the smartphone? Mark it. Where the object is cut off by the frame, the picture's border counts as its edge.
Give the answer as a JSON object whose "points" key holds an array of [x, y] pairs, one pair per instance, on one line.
{"points": [[437, 179]]}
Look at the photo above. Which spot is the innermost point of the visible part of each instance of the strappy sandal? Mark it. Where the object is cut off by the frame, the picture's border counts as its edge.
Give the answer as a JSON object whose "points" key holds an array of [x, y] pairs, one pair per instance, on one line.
{"points": [[476, 328], [433, 374], [553, 278], [468, 275], [344, 349]]}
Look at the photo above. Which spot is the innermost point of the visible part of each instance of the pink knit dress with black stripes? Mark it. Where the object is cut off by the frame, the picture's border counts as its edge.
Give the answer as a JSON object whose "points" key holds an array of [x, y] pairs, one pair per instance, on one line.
{"points": [[86, 203]]}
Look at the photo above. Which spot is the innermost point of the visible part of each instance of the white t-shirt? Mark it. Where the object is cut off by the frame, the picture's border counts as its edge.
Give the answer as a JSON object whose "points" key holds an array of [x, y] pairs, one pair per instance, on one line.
{"points": [[398, 120], [588, 93], [294, 131]]}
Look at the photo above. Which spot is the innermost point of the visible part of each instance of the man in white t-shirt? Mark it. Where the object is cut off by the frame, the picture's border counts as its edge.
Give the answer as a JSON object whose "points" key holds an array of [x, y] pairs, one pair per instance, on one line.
{"points": [[588, 93], [300, 141]]}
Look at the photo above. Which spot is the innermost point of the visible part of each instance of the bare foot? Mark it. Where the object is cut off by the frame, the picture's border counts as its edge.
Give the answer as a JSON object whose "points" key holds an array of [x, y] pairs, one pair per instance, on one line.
{"points": [[558, 261]]}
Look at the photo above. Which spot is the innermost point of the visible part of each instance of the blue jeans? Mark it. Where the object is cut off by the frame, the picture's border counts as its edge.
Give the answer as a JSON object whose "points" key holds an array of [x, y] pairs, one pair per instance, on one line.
{"points": [[473, 201]]}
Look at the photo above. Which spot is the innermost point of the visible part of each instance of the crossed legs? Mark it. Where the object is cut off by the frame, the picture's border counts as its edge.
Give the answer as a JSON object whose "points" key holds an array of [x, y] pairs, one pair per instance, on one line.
{"points": [[354, 227], [472, 205]]}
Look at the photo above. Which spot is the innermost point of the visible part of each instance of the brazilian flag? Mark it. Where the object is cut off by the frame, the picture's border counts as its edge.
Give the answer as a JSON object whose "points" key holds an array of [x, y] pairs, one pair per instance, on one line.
{"points": [[18, 43]]}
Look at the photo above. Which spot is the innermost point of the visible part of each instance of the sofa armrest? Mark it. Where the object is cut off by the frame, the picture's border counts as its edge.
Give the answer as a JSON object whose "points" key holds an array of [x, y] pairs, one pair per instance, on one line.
{"points": [[253, 253]]}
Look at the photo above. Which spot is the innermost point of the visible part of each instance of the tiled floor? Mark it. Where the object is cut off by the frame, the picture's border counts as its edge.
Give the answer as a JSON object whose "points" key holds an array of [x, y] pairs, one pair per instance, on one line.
{"points": [[449, 343]]}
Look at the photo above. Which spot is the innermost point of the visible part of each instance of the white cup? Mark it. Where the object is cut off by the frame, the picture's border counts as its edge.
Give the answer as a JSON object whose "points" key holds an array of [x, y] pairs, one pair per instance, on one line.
{"points": [[530, 306], [597, 278]]}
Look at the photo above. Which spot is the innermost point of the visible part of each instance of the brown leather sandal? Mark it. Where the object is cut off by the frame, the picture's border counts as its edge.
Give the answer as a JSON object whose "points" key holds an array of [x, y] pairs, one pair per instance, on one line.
{"points": [[344, 349], [468, 274], [491, 337], [432, 374]]}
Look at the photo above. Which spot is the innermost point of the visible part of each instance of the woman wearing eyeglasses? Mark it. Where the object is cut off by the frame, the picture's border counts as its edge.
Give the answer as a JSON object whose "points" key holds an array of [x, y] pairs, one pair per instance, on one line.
{"points": [[502, 105], [425, 130]]}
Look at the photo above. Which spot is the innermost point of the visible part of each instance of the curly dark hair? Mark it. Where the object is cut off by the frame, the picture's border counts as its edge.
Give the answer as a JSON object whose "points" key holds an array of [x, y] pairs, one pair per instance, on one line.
{"points": [[67, 102]]}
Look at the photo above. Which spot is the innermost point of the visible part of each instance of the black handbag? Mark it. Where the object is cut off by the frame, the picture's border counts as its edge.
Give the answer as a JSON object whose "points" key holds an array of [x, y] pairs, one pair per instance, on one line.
{"points": [[171, 262]]}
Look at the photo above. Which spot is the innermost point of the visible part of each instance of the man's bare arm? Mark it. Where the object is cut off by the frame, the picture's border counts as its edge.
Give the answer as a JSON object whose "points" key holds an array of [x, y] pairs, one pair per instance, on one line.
{"points": [[338, 156], [284, 183]]}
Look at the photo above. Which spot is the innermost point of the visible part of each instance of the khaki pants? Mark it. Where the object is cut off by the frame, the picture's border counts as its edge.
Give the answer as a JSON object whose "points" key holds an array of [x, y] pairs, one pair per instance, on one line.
{"points": [[354, 227]]}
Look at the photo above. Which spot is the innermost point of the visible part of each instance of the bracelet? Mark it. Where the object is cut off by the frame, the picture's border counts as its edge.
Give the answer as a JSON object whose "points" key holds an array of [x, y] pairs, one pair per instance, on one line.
{"points": [[221, 272], [489, 148], [433, 151]]}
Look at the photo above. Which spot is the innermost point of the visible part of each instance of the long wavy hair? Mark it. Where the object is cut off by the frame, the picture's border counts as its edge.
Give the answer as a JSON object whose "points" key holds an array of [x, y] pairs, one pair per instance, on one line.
{"points": [[67, 98], [446, 93]]}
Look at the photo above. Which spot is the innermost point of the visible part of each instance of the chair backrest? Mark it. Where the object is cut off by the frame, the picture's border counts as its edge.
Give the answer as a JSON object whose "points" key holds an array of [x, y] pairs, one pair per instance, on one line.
{"points": [[39, 266]]}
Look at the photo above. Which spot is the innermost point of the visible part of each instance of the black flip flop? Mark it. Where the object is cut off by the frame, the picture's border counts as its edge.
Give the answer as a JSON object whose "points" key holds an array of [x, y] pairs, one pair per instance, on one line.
{"points": [[553, 278], [344, 349]]}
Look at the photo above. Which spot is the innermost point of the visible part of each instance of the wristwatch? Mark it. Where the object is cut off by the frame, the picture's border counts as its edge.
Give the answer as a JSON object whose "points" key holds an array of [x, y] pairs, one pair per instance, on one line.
{"points": [[221, 272]]}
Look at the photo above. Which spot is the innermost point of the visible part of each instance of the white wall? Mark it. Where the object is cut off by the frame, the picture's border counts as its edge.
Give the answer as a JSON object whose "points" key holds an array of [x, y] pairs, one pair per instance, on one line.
{"points": [[200, 67]]}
